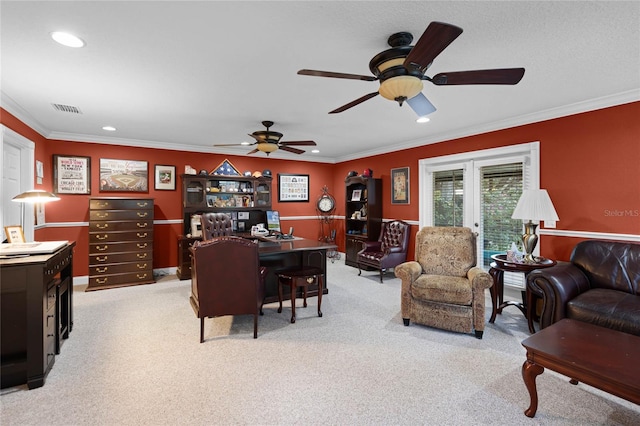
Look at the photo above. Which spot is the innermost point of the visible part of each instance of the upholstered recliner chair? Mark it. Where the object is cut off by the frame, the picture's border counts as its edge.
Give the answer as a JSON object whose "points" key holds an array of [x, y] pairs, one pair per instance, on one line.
{"points": [[389, 251], [216, 225], [443, 288], [227, 279]]}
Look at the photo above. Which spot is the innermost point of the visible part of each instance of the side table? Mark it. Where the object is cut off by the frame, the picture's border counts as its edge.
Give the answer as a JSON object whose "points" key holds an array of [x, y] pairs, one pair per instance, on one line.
{"points": [[499, 266]]}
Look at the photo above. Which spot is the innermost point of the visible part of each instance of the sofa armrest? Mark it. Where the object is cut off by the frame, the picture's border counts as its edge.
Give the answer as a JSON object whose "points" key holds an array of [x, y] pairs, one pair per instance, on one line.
{"points": [[408, 272], [557, 285], [369, 246], [480, 279]]}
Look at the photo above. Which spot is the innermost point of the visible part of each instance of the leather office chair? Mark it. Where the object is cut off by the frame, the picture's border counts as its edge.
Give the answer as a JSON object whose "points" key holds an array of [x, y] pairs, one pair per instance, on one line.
{"points": [[443, 288], [227, 279], [389, 251], [215, 225]]}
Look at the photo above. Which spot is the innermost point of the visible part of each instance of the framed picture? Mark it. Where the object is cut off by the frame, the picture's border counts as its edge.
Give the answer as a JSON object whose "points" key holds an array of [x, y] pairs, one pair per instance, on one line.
{"points": [[14, 234], [356, 195], [165, 178], [293, 187], [71, 174], [400, 185], [123, 176]]}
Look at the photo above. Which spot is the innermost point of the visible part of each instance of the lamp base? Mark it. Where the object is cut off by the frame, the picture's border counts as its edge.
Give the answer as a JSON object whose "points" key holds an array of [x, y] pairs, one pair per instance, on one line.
{"points": [[529, 241]]}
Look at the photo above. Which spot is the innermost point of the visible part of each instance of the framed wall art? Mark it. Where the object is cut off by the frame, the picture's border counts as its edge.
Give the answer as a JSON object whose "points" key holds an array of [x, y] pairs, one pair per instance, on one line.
{"points": [[165, 178], [71, 174], [123, 176], [14, 234], [400, 185], [293, 187]]}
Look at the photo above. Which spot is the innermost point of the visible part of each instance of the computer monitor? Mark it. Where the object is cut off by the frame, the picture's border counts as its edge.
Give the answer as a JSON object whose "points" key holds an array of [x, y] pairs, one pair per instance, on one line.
{"points": [[273, 221]]}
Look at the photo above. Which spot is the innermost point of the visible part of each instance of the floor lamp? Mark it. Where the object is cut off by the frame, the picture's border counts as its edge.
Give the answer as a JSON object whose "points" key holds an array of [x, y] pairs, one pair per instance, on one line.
{"points": [[32, 197], [534, 204]]}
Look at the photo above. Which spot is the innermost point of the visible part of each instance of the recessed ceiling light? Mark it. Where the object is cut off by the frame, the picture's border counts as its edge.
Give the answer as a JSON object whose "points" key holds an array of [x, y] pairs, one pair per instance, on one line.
{"points": [[109, 128], [67, 39], [245, 143], [315, 151], [423, 119]]}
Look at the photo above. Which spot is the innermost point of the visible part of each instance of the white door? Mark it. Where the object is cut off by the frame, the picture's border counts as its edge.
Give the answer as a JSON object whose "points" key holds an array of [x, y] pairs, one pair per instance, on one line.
{"points": [[17, 176], [479, 190]]}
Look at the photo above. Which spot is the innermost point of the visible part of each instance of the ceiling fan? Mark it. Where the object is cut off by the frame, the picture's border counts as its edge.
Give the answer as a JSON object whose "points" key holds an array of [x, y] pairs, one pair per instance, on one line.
{"points": [[268, 141], [401, 69]]}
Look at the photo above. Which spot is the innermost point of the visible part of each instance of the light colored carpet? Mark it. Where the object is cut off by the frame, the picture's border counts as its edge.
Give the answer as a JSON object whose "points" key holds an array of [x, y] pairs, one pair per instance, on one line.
{"points": [[134, 358]]}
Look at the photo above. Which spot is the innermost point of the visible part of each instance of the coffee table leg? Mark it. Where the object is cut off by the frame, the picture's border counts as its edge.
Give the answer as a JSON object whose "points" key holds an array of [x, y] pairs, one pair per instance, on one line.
{"points": [[529, 372]]}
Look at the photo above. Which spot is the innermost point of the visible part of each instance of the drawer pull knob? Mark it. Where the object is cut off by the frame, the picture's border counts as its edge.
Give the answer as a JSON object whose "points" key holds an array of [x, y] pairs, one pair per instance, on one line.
{"points": [[102, 225], [142, 214], [141, 276], [102, 281], [102, 215], [102, 270], [141, 225], [141, 255], [144, 266], [141, 234], [102, 237], [102, 259], [103, 248], [144, 204], [105, 204], [143, 245]]}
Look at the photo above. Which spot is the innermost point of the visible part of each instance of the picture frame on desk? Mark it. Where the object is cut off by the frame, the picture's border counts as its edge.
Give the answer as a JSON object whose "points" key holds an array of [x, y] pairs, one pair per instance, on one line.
{"points": [[14, 234], [71, 174], [293, 187], [400, 186], [165, 178]]}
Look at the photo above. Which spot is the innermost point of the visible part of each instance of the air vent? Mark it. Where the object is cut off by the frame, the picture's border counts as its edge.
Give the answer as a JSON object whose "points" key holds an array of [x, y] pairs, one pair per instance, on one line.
{"points": [[66, 108]]}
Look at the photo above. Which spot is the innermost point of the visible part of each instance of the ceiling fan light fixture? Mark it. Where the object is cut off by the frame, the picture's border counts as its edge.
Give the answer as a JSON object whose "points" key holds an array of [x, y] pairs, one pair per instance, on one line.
{"points": [[400, 88], [267, 147]]}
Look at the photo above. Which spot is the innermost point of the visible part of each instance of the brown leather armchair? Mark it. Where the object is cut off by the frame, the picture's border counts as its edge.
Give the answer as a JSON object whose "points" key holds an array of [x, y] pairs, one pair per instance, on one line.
{"points": [[215, 225], [443, 288], [227, 279], [389, 251]]}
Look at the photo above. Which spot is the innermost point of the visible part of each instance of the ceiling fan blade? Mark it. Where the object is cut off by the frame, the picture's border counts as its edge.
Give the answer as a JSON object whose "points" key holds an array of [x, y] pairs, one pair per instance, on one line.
{"points": [[337, 75], [433, 41], [251, 152], [354, 103], [298, 143], [494, 76], [294, 150], [421, 105]]}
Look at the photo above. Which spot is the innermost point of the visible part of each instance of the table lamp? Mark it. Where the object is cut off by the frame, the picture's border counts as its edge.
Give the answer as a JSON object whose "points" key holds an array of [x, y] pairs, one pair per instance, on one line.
{"points": [[33, 196], [534, 204]]}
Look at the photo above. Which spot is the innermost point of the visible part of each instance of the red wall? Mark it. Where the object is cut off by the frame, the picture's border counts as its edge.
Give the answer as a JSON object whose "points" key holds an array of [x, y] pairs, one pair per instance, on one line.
{"points": [[589, 165]]}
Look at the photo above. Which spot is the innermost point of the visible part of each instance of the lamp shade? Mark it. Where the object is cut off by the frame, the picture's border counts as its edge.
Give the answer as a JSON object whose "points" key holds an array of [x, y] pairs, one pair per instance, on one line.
{"points": [[401, 87], [35, 196], [267, 147], [535, 204]]}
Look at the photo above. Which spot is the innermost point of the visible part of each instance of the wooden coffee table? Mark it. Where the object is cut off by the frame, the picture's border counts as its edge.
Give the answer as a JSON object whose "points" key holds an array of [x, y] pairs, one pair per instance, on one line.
{"points": [[600, 357]]}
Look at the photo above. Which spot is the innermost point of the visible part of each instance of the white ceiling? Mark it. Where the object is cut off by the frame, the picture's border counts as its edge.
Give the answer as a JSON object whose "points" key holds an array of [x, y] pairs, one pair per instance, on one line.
{"points": [[187, 75]]}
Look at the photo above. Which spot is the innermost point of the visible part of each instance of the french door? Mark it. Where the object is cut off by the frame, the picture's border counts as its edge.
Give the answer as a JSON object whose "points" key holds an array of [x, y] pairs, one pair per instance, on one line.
{"points": [[479, 190]]}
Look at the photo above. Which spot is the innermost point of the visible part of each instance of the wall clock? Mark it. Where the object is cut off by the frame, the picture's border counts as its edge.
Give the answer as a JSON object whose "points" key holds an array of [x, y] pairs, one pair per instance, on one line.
{"points": [[326, 204]]}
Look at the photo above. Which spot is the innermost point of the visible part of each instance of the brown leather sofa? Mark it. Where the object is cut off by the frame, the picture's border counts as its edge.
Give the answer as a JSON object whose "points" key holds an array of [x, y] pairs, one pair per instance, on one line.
{"points": [[600, 285]]}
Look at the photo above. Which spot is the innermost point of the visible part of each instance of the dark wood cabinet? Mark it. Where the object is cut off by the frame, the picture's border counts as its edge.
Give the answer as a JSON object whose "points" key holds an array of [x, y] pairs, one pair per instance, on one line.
{"points": [[363, 214], [36, 314], [244, 198], [120, 242]]}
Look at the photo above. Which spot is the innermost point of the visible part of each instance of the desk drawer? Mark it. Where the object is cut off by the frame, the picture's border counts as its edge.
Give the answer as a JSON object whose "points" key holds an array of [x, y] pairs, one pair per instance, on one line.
{"points": [[107, 237], [120, 204], [103, 259], [120, 247], [111, 215], [116, 280], [118, 268], [126, 225]]}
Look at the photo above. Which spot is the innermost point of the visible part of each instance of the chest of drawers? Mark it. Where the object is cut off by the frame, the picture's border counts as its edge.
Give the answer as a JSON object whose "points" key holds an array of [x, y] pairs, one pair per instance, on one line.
{"points": [[120, 242]]}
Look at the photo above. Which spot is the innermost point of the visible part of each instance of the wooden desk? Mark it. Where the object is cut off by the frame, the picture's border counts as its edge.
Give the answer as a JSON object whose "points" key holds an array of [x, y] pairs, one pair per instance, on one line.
{"points": [[36, 315], [600, 357], [282, 254]]}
